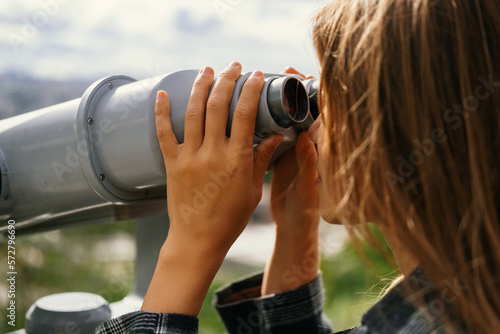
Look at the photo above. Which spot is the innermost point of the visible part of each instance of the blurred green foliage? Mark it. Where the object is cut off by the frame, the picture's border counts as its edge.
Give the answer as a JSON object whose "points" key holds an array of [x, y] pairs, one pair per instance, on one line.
{"points": [[66, 260], [352, 285]]}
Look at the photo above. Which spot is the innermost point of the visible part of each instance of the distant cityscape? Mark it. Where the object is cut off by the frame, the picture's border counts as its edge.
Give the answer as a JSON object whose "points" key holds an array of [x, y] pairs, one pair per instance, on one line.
{"points": [[21, 93]]}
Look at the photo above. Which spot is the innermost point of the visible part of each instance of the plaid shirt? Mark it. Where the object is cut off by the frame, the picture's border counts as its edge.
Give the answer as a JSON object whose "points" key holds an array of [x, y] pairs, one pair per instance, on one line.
{"points": [[150, 323], [244, 311]]}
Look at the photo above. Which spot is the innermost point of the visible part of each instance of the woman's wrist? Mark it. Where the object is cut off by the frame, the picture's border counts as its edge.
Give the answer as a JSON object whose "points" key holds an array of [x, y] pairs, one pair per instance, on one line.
{"points": [[185, 243], [306, 234], [295, 262], [183, 275]]}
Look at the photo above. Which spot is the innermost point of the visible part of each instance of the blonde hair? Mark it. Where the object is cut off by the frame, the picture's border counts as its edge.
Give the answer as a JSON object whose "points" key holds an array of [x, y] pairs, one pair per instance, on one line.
{"points": [[411, 109]]}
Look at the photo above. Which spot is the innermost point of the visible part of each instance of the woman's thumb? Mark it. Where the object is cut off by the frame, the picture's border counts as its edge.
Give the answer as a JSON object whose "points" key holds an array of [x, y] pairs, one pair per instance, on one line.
{"points": [[263, 154]]}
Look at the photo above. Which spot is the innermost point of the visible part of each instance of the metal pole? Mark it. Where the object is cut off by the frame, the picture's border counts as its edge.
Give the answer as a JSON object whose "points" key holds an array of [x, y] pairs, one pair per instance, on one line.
{"points": [[151, 233]]}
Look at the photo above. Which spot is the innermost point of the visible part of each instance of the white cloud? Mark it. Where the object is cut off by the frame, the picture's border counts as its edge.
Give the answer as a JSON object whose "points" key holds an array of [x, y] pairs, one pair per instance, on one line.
{"points": [[94, 37]]}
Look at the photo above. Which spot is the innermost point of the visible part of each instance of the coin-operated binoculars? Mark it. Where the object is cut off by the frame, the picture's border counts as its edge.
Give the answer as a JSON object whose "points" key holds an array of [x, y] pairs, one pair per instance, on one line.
{"points": [[98, 158]]}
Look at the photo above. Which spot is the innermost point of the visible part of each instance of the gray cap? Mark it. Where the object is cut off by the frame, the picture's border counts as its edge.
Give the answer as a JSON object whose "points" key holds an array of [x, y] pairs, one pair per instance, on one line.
{"points": [[71, 312]]}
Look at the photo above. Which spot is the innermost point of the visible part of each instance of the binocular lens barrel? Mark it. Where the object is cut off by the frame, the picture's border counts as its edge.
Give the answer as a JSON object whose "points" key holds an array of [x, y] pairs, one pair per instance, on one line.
{"points": [[288, 101], [313, 99]]}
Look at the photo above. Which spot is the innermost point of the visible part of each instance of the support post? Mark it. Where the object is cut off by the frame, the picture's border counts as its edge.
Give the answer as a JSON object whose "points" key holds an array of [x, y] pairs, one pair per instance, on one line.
{"points": [[150, 234]]}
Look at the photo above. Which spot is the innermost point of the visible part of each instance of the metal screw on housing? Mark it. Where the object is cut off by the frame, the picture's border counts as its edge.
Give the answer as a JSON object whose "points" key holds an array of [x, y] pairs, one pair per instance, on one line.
{"points": [[110, 85], [102, 177], [90, 121]]}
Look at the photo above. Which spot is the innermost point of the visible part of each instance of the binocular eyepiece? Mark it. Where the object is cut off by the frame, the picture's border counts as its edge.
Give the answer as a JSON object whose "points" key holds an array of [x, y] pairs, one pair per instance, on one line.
{"points": [[288, 101]]}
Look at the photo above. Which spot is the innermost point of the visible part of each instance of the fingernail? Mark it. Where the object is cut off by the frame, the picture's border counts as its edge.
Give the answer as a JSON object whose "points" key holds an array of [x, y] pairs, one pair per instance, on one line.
{"points": [[279, 140], [235, 64], [207, 71], [159, 96], [257, 74]]}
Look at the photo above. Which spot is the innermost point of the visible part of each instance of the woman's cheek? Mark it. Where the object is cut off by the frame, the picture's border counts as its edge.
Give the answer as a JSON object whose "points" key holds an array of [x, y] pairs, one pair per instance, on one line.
{"points": [[323, 205], [326, 204]]}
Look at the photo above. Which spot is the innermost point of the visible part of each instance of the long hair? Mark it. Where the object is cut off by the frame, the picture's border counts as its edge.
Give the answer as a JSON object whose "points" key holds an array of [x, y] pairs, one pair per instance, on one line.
{"points": [[410, 102]]}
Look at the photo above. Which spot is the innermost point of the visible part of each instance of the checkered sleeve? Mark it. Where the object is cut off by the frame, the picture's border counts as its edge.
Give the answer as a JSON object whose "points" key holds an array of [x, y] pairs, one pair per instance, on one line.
{"points": [[243, 310], [150, 323]]}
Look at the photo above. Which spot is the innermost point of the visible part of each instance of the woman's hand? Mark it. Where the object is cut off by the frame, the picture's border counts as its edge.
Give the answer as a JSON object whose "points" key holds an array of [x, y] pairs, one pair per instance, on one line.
{"points": [[294, 198], [295, 210], [214, 183]]}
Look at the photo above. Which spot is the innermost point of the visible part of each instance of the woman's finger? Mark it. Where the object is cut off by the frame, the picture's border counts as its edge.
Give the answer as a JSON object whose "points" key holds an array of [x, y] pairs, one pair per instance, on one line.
{"points": [[194, 120], [243, 127], [218, 103], [291, 70], [263, 154], [306, 154], [166, 137], [306, 159]]}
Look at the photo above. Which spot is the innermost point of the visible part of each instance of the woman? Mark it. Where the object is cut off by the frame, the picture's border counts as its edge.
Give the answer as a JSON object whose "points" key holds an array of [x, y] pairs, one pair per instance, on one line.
{"points": [[407, 139]]}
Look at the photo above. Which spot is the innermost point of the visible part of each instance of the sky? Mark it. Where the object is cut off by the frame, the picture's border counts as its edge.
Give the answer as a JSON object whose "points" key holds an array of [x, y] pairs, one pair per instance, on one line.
{"points": [[76, 39]]}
